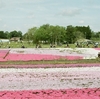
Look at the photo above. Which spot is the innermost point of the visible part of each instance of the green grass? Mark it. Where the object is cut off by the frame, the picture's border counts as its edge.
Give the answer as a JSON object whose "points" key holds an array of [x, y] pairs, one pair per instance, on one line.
{"points": [[17, 45], [60, 61], [31, 45]]}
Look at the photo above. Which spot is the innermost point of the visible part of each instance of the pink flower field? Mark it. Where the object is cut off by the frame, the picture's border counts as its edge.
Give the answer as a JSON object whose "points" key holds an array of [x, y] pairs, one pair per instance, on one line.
{"points": [[52, 94], [59, 81], [48, 54]]}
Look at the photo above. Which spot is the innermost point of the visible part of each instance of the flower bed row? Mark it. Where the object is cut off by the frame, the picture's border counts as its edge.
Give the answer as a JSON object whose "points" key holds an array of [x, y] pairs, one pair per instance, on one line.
{"points": [[87, 93], [28, 57], [51, 65], [3, 53], [97, 48], [49, 78], [47, 54]]}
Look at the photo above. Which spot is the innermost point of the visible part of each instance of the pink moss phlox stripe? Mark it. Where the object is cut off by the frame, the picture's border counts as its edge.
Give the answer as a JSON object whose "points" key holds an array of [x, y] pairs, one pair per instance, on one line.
{"points": [[97, 48], [53, 65], [3, 53], [28, 57], [74, 57], [87, 93]]}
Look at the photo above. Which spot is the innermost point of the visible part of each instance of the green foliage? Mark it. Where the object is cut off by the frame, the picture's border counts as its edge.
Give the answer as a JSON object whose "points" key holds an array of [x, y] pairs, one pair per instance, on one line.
{"points": [[58, 34], [15, 34], [53, 34], [49, 34], [85, 30], [30, 34], [10, 64], [3, 35]]}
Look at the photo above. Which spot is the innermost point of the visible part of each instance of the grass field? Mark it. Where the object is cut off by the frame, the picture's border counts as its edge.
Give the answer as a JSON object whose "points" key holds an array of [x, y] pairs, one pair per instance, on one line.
{"points": [[51, 62], [32, 45]]}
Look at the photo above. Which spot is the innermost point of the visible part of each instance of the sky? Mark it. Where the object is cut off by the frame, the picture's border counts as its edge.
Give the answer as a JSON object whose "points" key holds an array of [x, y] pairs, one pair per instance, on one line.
{"points": [[22, 15]]}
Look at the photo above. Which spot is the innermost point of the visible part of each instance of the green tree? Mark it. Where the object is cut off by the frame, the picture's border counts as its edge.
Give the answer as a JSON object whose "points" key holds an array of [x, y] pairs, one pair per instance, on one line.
{"points": [[7, 35], [44, 32], [96, 36], [15, 34], [2, 34], [70, 34], [78, 35], [85, 30], [37, 37], [30, 34]]}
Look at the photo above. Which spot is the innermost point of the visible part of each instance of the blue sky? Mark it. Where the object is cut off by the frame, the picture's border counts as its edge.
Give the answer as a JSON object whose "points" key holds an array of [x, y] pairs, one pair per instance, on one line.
{"points": [[22, 15]]}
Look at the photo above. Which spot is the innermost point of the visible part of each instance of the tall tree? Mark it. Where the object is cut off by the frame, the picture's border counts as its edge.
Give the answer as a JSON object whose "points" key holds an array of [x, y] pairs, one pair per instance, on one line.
{"points": [[70, 34], [85, 30], [30, 34], [7, 35], [2, 34], [88, 33], [15, 34]]}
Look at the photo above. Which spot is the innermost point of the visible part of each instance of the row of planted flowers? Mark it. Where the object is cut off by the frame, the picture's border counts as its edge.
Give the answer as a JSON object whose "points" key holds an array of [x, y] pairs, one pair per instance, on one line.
{"points": [[46, 54], [51, 65], [87, 93], [50, 78], [28, 57]]}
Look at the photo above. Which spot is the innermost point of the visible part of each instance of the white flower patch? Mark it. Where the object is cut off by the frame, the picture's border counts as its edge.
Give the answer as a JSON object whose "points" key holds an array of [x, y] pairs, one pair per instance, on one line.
{"points": [[49, 78], [86, 53]]}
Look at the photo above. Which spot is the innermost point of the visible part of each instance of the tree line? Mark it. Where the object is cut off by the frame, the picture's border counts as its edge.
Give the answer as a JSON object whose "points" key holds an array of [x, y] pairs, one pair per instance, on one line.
{"points": [[53, 34], [59, 34], [9, 35]]}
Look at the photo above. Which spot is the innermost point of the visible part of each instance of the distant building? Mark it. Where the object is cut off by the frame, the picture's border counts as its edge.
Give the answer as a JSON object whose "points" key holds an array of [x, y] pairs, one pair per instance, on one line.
{"points": [[4, 40], [16, 39]]}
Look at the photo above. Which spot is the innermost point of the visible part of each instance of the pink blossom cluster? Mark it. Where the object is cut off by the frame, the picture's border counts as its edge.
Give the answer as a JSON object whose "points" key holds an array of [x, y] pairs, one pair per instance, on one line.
{"points": [[97, 48], [87, 93], [28, 57]]}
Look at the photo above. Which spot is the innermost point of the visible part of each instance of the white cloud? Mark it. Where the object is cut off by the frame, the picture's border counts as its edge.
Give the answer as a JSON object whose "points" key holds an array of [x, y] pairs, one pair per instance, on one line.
{"points": [[81, 22], [70, 12], [5, 25]]}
